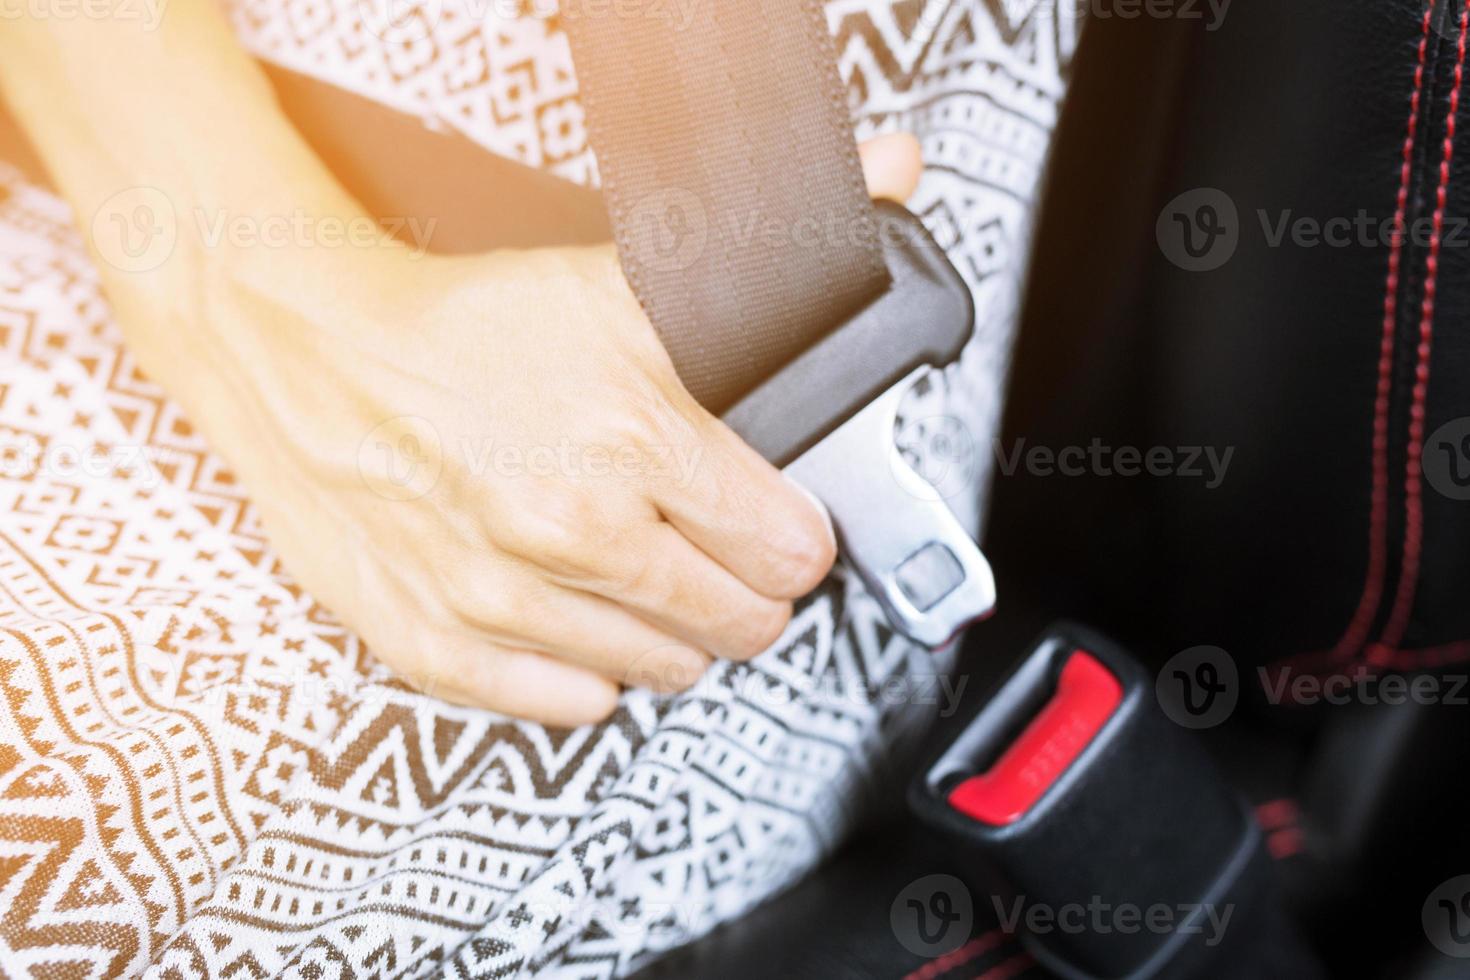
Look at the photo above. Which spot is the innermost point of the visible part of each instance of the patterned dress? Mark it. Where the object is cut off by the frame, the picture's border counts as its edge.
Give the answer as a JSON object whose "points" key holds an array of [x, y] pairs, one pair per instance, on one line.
{"points": [[203, 774]]}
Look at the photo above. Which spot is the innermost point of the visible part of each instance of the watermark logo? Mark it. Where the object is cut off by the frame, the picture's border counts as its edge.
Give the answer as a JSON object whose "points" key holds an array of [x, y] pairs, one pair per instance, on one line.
{"points": [[412, 21], [939, 449], [1446, 917], [1446, 459], [147, 13], [674, 667], [24, 456], [1099, 917], [666, 668], [932, 916], [1206, 463], [1211, 13], [677, 14], [136, 229], [1199, 230], [401, 21], [401, 459], [301, 229], [1199, 687], [670, 229], [1361, 685]]}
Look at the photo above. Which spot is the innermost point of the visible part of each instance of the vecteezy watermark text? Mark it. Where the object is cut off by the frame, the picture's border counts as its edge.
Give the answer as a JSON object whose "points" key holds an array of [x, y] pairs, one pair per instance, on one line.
{"points": [[932, 915], [1097, 916], [1200, 687], [1208, 463], [24, 456], [1362, 685], [147, 13], [301, 228], [403, 458], [569, 459], [138, 228], [1200, 230], [1210, 12], [405, 21]]}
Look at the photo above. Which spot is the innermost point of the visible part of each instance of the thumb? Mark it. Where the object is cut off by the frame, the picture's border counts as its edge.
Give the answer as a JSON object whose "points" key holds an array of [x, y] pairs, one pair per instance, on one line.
{"points": [[892, 164]]}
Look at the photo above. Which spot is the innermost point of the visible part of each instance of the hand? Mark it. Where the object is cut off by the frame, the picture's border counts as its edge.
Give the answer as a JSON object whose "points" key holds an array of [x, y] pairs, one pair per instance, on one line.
{"points": [[393, 416], [487, 467]]}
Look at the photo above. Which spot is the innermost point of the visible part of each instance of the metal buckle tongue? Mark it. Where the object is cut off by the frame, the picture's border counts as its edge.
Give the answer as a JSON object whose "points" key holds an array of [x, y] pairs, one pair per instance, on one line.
{"points": [[894, 527], [828, 418]]}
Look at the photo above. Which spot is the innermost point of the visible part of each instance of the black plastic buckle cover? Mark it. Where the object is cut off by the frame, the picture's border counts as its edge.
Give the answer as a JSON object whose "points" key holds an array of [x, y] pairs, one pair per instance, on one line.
{"points": [[1135, 817], [828, 419], [925, 317]]}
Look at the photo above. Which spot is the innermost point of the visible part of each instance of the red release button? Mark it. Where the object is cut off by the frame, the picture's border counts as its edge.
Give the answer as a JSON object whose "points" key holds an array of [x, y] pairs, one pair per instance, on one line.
{"points": [[1087, 695]]}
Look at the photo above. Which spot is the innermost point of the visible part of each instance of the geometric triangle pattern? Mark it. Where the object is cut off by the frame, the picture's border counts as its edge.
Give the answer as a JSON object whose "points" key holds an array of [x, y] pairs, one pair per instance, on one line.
{"points": [[203, 774]]}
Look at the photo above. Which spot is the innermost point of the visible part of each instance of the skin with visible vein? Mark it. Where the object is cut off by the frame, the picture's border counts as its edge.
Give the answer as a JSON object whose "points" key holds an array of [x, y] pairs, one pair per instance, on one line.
{"points": [[535, 591]]}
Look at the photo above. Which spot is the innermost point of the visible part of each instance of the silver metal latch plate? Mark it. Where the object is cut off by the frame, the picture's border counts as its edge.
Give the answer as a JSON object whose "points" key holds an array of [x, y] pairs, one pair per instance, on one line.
{"points": [[893, 526]]}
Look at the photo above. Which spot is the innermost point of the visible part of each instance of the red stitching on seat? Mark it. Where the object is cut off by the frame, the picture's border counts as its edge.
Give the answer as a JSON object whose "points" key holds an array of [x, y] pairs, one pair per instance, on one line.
{"points": [[1279, 819], [1357, 628], [1285, 843], [1377, 661], [1380, 655], [971, 950], [1403, 602], [1275, 814]]}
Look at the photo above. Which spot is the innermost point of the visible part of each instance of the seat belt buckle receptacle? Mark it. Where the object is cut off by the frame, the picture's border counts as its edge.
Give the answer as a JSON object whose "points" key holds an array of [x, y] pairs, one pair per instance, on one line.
{"points": [[828, 418], [1085, 806]]}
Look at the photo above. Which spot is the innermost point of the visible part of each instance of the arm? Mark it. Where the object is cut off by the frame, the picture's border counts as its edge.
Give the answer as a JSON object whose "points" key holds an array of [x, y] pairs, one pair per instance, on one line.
{"points": [[467, 459]]}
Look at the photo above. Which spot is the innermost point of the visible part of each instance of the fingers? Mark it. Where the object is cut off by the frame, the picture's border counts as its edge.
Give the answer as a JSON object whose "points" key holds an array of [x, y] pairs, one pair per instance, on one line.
{"points": [[644, 565], [615, 596], [772, 535], [684, 591], [521, 683], [601, 635], [742, 512], [589, 631], [710, 560], [892, 165]]}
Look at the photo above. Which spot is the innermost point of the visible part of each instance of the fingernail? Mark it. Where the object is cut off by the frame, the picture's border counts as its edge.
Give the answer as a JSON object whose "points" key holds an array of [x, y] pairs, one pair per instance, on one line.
{"points": [[821, 509]]}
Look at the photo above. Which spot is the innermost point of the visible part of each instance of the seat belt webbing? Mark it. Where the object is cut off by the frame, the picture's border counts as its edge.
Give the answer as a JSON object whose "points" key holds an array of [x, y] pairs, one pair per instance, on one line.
{"points": [[732, 180]]}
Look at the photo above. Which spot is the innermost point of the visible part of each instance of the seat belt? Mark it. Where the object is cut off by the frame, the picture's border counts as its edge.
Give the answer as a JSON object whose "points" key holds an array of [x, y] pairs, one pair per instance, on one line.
{"points": [[789, 304]]}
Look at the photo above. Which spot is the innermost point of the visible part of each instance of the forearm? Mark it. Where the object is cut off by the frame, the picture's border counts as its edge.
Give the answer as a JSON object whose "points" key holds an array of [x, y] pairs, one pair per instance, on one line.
{"points": [[366, 400], [112, 102], [170, 130]]}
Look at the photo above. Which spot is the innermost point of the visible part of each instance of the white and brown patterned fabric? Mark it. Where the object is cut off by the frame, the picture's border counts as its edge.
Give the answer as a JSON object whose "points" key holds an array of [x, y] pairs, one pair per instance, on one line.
{"points": [[203, 774]]}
